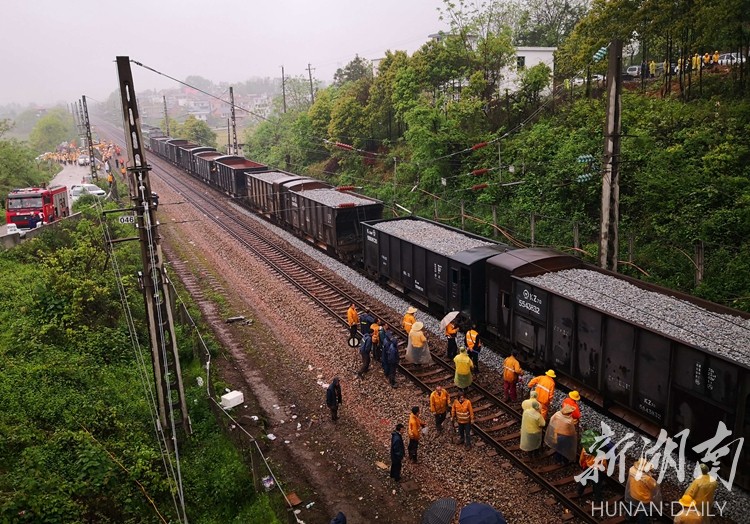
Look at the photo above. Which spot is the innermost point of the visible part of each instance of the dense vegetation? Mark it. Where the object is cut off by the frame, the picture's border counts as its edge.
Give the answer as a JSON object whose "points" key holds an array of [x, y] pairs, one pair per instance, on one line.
{"points": [[18, 164], [76, 436], [434, 131]]}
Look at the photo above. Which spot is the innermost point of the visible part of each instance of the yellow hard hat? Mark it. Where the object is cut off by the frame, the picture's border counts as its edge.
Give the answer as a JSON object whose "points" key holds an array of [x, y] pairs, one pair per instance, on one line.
{"points": [[551, 373], [574, 395]]}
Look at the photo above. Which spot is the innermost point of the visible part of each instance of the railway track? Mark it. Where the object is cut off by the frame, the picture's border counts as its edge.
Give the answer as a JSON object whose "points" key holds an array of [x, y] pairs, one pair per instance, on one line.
{"points": [[497, 423]]}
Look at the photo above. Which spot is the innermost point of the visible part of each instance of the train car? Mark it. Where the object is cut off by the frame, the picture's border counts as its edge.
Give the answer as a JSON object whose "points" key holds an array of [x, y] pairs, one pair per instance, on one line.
{"points": [[172, 149], [440, 266], [159, 145], [640, 350], [288, 202], [149, 133], [231, 170], [186, 156], [263, 189], [24, 207], [329, 217], [205, 166]]}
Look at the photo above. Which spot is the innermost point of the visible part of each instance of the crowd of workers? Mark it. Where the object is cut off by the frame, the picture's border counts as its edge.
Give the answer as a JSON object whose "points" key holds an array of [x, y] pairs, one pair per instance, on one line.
{"points": [[562, 432]]}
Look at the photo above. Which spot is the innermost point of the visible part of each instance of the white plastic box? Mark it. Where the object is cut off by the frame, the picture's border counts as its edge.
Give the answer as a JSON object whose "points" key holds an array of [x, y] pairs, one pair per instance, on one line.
{"points": [[232, 399]]}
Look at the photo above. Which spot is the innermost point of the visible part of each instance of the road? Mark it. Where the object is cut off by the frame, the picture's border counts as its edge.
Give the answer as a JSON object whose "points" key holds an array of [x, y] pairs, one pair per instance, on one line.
{"points": [[71, 174]]}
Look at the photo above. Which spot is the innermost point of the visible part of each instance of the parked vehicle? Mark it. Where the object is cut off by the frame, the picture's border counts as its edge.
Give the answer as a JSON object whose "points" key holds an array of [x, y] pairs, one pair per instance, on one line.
{"points": [[729, 59], [25, 207], [79, 190], [634, 71]]}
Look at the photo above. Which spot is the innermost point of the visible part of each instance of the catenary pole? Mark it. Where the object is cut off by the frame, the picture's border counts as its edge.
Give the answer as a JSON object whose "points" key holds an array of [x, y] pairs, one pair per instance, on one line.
{"points": [[608, 238]]}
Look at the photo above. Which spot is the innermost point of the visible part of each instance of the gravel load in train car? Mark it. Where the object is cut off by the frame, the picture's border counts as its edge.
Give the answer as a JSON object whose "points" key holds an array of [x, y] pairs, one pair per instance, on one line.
{"points": [[429, 236], [726, 335], [333, 198], [271, 176]]}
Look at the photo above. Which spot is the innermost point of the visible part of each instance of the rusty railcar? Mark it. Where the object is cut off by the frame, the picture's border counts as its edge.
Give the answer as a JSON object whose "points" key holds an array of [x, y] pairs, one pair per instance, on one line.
{"points": [[231, 170]]}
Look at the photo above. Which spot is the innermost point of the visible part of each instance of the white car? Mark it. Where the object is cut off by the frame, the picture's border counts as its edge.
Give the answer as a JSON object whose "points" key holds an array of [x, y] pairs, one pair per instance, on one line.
{"points": [[83, 160], [729, 59], [634, 71], [78, 190]]}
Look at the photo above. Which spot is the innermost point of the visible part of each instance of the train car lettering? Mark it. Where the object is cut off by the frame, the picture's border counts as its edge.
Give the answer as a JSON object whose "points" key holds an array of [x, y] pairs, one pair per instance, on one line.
{"points": [[530, 301]]}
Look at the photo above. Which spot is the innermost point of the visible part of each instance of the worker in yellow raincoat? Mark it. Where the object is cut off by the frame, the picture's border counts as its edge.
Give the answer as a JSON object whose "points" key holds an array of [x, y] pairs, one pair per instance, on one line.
{"points": [[464, 365], [532, 423], [702, 491]]}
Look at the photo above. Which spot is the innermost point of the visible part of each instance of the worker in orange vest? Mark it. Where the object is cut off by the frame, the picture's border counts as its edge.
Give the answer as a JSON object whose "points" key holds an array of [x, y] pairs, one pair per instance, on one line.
{"points": [[545, 390], [352, 318], [409, 319], [473, 346], [511, 371], [451, 330]]}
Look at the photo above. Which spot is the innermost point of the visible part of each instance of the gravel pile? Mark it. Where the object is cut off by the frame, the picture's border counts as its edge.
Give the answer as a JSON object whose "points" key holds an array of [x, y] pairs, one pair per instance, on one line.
{"points": [[726, 335], [270, 176], [430, 236], [334, 198]]}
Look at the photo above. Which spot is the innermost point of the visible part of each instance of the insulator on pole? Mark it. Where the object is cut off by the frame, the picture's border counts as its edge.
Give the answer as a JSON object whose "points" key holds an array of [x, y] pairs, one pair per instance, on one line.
{"points": [[480, 171], [477, 187], [480, 145]]}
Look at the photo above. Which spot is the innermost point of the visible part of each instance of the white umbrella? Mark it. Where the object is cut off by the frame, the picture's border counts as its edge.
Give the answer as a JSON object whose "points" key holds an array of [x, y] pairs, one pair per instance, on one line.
{"points": [[447, 319]]}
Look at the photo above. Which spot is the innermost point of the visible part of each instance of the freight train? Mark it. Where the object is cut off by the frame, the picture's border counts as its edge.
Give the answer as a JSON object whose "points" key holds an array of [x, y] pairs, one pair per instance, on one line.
{"points": [[655, 357]]}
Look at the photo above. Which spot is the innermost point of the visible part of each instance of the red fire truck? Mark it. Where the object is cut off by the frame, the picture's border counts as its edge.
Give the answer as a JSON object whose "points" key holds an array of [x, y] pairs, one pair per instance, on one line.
{"points": [[32, 205]]}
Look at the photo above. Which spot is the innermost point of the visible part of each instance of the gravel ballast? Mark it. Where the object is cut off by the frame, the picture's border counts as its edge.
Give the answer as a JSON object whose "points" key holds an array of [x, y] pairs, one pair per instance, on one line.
{"points": [[726, 335], [371, 407], [430, 236]]}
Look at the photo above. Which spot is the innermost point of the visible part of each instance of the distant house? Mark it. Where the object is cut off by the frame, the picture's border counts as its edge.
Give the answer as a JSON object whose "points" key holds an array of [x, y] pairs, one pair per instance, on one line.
{"points": [[526, 57]]}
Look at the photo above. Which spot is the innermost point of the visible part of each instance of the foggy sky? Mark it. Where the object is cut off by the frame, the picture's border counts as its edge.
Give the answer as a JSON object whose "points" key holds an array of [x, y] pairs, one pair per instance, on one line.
{"points": [[55, 51]]}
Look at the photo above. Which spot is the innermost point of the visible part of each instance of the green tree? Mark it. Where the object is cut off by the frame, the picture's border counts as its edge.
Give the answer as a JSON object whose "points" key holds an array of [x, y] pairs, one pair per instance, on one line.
{"points": [[18, 166], [51, 130], [380, 107], [197, 131], [546, 23], [355, 70]]}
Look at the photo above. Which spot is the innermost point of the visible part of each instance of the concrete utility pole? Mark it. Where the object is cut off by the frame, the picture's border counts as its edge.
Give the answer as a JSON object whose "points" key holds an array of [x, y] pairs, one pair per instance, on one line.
{"points": [[283, 88], [312, 93], [166, 116], [80, 119], [235, 149], [608, 238], [170, 393], [87, 125]]}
